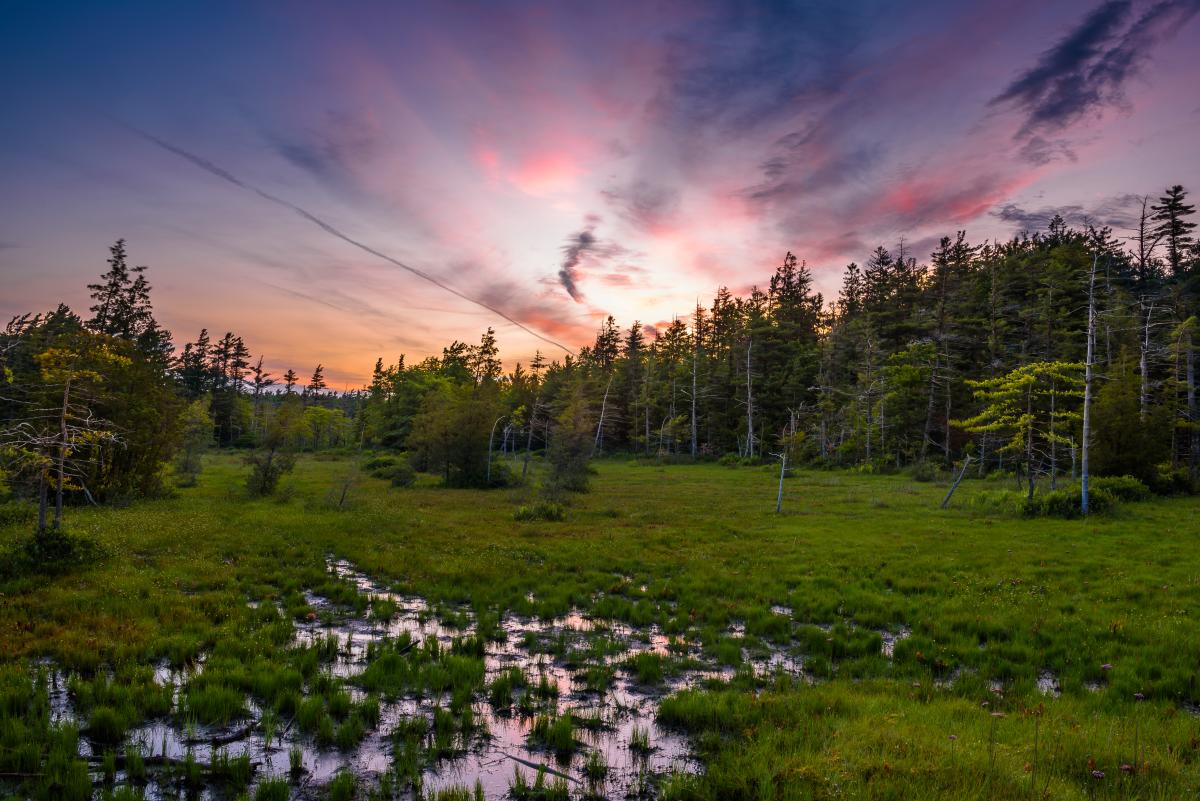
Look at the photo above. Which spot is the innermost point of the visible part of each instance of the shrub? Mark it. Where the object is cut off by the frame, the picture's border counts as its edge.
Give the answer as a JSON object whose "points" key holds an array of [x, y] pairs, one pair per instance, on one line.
{"points": [[396, 469], [12, 512], [1123, 488], [403, 475], [737, 460], [923, 471], [542, 510], [50, 551], [1170, 480], [379, 463], [1066, 503], [266, 470]]}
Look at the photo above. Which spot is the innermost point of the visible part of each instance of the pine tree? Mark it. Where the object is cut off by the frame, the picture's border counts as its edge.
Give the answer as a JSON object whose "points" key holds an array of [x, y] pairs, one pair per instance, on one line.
{"points": [[122, 308], [485, 361], [316, 384], [110, 314], [607, 346], [1173, 229]]}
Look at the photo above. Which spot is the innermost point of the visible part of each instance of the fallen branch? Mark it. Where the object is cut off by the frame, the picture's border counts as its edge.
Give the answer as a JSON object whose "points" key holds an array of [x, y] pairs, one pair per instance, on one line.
{"points": [[158, 761], [541, 767], [225, 739], [961, 473]]}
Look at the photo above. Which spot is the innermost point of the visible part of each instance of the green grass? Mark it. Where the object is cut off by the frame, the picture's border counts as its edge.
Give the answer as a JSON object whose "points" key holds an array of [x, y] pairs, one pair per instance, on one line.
{"points": [[694, 550], [554, 733]]}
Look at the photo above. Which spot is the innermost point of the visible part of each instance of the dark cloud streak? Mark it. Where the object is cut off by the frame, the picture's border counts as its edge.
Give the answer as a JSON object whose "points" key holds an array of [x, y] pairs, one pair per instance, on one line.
{"points": [[1117, 212], [577, 245], [1087, 70]]}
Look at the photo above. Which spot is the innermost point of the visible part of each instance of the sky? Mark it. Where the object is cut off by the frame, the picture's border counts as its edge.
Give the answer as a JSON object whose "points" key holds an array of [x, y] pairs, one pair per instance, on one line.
{"points": [[337, 182]]}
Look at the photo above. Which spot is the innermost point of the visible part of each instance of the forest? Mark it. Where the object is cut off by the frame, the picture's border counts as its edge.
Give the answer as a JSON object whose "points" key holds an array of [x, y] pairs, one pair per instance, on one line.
{"points": [[999, 352]]}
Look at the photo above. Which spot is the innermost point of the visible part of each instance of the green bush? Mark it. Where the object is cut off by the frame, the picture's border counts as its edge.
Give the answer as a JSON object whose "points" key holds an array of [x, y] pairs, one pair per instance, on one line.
{"points": [[48, 552], [267, 468], [14, 512], [737, 460], [1123, 488], [403, 475], [542, 510], [923, 471], [1066, 503], [395, 469], [1171, 480], [379, 463]]}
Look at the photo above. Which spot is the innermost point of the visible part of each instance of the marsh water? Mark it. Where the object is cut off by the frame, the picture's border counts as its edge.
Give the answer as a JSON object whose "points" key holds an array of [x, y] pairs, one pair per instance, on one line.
{"points": [[619, 720]]}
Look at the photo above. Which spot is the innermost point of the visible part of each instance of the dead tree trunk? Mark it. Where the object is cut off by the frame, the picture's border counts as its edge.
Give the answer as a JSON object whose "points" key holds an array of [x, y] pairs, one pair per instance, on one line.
{"points": [[782, 473], [1194, 439], [957, 481], [62, 455], [42, 492], [869, 392], [929, 407], [1087, 391], [599, 443], [1144, 367], [529, 436], [1053, 444], [1029, 440], [694, 363], [749, 403], [946, 432]]}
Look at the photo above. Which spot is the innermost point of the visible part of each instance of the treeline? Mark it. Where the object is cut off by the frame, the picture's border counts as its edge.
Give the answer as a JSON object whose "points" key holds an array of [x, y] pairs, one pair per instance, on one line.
{"points": [[96, 409], [978, 352]]}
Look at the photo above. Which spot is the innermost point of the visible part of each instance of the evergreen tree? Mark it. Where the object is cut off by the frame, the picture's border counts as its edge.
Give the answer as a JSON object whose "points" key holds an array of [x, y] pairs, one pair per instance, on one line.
{"points": [[316, 384], [1173, 228], [485, 361]]}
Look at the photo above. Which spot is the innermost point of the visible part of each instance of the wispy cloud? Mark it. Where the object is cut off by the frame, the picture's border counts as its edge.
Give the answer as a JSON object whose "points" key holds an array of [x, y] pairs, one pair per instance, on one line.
{"points": [[581, 246], [1087, 71], [645, 204], [208, 166], [577, 245], [332, 152], [1117, 212]]}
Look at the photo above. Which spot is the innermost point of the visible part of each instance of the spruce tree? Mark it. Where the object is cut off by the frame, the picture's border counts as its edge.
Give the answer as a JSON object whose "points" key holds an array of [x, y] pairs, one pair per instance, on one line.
{"points": [[1173, 228]]}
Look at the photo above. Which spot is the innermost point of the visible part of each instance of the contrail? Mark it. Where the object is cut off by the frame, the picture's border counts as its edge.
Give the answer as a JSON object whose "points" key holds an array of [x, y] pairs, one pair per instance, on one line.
{"points": [[208, 166]]}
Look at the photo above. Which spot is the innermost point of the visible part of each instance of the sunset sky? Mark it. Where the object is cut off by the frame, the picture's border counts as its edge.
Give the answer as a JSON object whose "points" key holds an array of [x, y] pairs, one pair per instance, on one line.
{"points": [[555, 161]]}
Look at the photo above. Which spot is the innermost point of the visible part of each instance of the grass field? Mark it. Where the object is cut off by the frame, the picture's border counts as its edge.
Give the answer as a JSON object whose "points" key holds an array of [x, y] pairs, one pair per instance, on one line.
{"points": [[1024, 658]]}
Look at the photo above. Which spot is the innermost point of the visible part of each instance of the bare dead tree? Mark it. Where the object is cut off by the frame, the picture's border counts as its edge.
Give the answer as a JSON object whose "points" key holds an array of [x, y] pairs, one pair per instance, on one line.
{"points": [[1087, 389], [599, 441], [749, 400]]}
